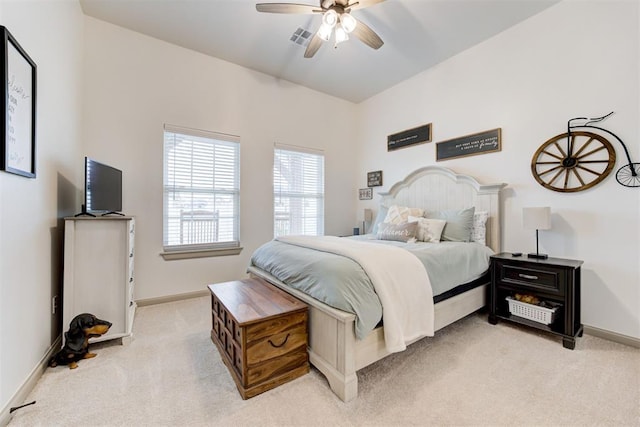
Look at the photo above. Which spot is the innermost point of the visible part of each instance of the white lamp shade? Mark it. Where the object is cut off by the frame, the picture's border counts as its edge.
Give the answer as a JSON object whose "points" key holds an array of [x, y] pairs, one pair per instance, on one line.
{"points": [[368, 215], [341, 34], [536, 218], [348, 22], [330, 18], [324, 32]]}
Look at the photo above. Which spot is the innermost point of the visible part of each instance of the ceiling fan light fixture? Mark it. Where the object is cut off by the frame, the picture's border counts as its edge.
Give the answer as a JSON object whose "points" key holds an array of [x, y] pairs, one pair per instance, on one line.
{"points": [[330, 18], [348, 22], [324, 32], [341, 35]]}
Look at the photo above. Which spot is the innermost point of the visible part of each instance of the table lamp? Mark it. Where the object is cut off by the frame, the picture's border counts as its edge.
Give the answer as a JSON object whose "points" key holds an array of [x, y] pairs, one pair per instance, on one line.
{"points": [[537, 219], [368, 217]]}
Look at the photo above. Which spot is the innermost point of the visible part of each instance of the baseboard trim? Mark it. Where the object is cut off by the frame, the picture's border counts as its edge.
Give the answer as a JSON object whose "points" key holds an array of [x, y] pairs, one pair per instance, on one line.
{"points": [[172, 298], [26, 388], [612, 336]]}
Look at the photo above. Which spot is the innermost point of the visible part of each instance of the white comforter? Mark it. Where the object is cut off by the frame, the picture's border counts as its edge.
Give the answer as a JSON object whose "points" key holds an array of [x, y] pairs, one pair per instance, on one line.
{"points": [[399, 278]]}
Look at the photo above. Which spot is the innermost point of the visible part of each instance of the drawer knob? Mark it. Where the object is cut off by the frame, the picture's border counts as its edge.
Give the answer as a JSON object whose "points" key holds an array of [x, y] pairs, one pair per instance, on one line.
{"points": [[283, 342], [528, 276]]}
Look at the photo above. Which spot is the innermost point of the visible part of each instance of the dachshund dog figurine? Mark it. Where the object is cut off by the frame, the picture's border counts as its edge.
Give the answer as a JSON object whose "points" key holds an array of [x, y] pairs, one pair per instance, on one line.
{"points": [[76, 340]]}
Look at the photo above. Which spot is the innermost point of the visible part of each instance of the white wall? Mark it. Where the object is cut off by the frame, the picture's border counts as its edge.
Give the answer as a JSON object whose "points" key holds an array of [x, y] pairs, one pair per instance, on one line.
{"points": [[574, 59], [134, 84], [31, 209]]}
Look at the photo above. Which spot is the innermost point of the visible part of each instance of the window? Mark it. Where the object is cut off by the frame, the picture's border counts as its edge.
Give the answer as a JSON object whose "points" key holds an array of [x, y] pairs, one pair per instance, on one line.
{"points": [[201, 190], [298, 189]]}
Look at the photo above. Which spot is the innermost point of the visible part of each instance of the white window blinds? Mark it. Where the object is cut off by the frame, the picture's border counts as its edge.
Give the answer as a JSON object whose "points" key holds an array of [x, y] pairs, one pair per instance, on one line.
{"points": [[298, 187], [201, 189]]}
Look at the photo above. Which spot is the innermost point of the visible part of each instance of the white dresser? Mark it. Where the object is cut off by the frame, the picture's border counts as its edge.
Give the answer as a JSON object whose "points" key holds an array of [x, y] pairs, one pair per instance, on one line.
{"points": [[98, 272]]}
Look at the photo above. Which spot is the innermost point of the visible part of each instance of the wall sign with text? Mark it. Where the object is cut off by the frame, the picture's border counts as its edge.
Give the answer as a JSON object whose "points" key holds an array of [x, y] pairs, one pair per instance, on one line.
{"points": [[18, 123], [409, 137], [365, 193], [374, 179], [469, 145]]}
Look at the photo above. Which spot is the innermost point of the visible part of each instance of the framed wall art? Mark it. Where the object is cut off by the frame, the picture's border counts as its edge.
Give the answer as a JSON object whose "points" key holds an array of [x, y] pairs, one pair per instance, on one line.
{"points": [[365, 193], [470, 145], [374, 179], [18, 129], [406, 138]]}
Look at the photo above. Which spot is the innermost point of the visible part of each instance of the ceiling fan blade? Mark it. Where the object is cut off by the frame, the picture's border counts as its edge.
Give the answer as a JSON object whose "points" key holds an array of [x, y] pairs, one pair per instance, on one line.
{"points": [[367, 35], [355, 5], [286, 8], [313, 46]]}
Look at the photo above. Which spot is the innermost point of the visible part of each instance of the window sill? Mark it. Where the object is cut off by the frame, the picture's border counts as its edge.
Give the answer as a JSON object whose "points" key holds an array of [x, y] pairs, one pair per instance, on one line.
{"points": [[199, 253]]}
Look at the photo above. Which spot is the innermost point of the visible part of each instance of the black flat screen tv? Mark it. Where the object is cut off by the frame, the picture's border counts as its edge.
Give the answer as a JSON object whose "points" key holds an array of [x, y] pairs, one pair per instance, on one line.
{"points": [[102, 188]]}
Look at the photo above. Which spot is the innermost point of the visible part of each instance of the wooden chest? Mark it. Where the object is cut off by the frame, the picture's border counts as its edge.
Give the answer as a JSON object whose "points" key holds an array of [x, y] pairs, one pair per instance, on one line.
{"points": [[261, 333]]}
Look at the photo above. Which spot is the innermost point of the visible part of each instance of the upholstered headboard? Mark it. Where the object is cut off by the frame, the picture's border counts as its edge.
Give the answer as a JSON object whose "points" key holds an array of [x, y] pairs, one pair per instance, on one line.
{"points": [[437, 188]]}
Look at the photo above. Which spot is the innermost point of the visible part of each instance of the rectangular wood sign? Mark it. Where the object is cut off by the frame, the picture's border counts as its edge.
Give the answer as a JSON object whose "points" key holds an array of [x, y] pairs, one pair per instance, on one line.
{"points": [[469, 145], [374, 179], [409, 137], [365, 193]]}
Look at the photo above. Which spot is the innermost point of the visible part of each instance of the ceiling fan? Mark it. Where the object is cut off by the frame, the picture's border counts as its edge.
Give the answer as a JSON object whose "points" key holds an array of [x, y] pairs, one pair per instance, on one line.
{"points": [[336, 19]]}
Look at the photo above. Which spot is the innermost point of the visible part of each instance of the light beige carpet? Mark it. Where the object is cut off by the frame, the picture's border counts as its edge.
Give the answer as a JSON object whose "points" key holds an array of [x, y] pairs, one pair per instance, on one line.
{"points": [[470, 373]]}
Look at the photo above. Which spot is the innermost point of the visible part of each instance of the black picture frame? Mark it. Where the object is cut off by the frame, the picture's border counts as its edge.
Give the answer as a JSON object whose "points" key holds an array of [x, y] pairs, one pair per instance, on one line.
{"points": [[374, 179], [18, 124], [365, 193], [488, 141], [409, 137]]}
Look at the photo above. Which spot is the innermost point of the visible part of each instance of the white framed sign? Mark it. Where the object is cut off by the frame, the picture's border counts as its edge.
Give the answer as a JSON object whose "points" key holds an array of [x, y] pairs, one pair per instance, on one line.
{"points": [[18, 129]]}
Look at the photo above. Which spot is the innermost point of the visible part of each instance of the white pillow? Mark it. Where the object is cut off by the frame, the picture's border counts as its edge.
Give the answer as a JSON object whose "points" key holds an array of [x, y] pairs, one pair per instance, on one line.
{"points": [[479, 227], [404, 232], [399, 214], [429, 230]]}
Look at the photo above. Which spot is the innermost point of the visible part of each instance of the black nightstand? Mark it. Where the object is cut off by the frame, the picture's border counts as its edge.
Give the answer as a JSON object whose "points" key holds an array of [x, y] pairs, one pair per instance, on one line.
{"points": [[554, 280]]}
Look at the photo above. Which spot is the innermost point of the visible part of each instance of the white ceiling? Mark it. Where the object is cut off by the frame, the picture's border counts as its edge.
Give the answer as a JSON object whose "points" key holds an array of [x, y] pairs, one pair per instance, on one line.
{"points": [[417, 34]]}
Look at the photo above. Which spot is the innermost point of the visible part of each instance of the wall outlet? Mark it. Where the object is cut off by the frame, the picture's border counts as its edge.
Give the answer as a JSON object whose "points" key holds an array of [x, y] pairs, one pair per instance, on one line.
{"points": [[54, 304]]}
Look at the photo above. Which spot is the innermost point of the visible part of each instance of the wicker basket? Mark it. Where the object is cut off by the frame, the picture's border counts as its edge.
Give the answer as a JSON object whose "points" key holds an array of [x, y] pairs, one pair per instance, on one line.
{"points": [[532, 312]]}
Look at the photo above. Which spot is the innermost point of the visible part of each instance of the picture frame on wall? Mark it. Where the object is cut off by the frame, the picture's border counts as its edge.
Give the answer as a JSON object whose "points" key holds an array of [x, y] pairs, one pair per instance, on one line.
{"points": [[409, 137], [488, 141], [365, 193], [18, 129], [374, 179]]}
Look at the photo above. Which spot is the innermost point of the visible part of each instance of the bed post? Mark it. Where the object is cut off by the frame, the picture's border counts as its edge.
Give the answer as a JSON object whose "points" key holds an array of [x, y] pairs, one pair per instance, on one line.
{"points": [[332, 351]]}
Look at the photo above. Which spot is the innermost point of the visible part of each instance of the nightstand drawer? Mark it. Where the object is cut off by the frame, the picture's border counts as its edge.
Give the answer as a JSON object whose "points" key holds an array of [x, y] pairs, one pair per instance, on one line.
{"points": [[524, 276]]}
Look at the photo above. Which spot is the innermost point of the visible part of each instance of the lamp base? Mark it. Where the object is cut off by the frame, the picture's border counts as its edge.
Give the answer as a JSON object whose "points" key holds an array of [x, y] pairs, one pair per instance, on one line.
{"points": [[538, 256]]}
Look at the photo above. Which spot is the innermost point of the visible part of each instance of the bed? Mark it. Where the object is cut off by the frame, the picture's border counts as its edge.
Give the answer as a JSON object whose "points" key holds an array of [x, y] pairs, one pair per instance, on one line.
{"points": [[334, 347]]}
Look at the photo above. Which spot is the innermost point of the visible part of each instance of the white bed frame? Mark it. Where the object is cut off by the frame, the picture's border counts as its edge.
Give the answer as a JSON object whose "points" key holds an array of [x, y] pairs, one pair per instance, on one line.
{"points": [[333, 347]]}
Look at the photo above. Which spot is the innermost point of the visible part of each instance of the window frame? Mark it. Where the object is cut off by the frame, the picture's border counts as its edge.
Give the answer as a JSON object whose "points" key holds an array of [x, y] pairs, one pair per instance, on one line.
{"points": [[320, 209], [197, 250]]}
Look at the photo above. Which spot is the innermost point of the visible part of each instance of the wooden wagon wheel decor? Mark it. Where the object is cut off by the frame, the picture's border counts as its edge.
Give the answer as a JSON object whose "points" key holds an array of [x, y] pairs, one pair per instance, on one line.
{"points": [[579, 159]]}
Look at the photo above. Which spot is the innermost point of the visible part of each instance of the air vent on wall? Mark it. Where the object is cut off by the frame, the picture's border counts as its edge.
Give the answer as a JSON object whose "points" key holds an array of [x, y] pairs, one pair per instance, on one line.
{"points": [[301, 37]]}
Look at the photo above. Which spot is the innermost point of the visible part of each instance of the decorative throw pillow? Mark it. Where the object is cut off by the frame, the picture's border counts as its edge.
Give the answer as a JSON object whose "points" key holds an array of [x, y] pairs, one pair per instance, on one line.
{"points": [[398, 232], [479, 227], [429, 230], [399, 214], [458, 226]]}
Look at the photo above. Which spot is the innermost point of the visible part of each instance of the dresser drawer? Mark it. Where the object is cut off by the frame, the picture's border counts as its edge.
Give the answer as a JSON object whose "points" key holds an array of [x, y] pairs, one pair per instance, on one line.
{"points": [[216, 327], [534, 278], [215, 306], [238, 335], [231, 326], [238, 365], [276, 345], [273, 368], [228, 346]]}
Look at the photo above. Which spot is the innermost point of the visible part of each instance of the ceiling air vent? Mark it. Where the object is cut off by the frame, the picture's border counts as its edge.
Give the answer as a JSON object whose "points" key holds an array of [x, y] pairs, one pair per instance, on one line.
{"points": [[301, 37]]}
